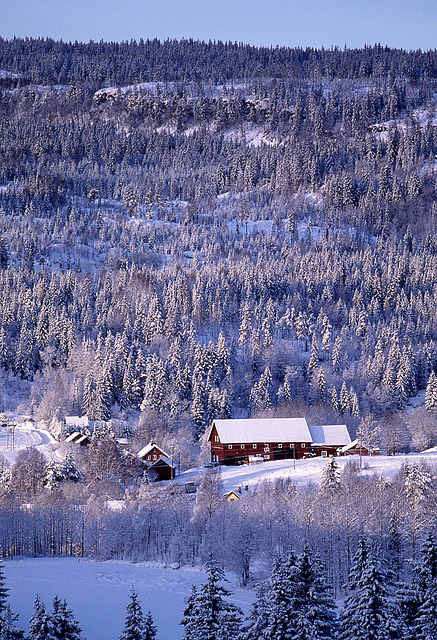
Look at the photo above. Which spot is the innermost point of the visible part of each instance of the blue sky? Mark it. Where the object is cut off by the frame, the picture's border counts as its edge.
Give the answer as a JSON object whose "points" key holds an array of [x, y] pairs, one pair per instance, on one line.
{"points": [[409, 24]]}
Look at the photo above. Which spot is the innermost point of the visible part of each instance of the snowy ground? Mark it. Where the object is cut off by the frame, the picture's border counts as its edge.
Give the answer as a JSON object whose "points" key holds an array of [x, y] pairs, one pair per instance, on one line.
{"points": [[26, 437], [98, 592], [303, 472]]}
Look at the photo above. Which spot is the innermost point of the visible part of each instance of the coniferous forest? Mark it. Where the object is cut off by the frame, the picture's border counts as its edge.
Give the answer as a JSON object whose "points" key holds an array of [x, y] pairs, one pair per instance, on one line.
{"points": [[192, 230]]}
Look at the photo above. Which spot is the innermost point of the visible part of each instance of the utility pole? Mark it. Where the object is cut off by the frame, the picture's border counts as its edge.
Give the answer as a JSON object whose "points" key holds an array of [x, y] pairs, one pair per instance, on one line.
{"points": [[10, 434]]}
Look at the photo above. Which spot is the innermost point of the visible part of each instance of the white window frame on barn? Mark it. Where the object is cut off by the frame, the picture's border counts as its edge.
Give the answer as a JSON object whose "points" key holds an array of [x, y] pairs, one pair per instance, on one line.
{"points": [[242, 446], [279, 446], [254, 446], [229, 446]]}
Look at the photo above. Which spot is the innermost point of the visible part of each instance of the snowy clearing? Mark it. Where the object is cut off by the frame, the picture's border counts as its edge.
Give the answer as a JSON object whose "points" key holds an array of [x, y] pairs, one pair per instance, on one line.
{"points": [[98, 592], [25, 437], [303, 472]]}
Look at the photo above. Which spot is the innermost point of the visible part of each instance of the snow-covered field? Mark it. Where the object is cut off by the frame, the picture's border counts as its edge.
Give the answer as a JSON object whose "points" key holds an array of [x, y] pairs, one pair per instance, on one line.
{"points": [[98, 592], [303, 472]]}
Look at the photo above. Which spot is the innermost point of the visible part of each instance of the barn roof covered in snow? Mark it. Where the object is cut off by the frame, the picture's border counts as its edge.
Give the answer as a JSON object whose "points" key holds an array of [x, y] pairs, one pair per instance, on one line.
{"points": [[330, 435], [262, 430], [76, 421]]}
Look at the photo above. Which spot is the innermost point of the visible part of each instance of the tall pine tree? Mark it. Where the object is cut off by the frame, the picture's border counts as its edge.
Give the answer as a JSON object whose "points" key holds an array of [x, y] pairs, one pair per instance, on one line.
{"points": [[39, 625], [368, 612], [63, 625], [209, 615], [137, 626]]}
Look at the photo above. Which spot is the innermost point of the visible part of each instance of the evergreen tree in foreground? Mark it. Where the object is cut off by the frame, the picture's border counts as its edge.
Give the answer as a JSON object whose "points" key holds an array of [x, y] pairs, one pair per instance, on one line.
{"points": [[297, 605], [137, 626], [4, 591], [417, 603], [39, 626], [314, 617], [208, 614], [9, 630], [281, 597], [368, 612], [63, 626], [259, 617]]}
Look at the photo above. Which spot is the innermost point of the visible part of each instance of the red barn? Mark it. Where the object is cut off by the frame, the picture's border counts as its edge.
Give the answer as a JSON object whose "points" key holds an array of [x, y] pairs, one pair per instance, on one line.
{"points": [[241, 441]]}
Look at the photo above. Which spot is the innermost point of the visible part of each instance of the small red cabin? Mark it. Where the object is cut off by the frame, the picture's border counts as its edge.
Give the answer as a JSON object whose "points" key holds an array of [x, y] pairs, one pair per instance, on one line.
{"points": [[159, 464]]}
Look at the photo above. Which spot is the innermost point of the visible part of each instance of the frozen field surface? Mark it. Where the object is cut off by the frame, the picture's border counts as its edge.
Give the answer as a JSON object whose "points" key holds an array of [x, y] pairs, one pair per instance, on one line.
{"points": [[98, 592]]}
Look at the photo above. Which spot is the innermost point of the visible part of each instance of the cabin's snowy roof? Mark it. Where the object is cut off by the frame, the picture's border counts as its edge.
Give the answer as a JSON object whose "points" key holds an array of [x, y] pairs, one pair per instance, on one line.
{"points": [[76, 421], [262, 430], [152, 445], [78, 438], [349, 446], [164, 459], [73, 436], [333, 435], [355, 444]]}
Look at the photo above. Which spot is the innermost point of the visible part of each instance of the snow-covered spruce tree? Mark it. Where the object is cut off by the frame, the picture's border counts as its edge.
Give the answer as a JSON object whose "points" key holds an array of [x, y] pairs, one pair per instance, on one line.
{"points": [[281, 597], [418, 485], [70, 473], [417, 602], [431, 393], [258, 617], [149, 627], [4, 591], [208, 614], [63, 625], [136, 625], [8, 628], [39, 625], [192, 616], [368, 612], [297, 604], [330, 478], [314, 608]]}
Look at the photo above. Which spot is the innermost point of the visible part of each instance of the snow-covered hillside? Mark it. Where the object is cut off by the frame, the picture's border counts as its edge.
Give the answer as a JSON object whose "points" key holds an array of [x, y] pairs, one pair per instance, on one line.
{"points": [[302, 472], [24, 437]]}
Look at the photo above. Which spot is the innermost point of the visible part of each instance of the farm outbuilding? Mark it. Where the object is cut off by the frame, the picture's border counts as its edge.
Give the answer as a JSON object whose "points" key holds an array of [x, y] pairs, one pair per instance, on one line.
{"points": [[79, 423], [78, 438], [359, 448]]}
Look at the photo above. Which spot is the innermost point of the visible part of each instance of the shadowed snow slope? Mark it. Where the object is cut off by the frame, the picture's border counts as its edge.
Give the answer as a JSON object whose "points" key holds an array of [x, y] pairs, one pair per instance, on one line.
{"points": [[98, 592]]}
